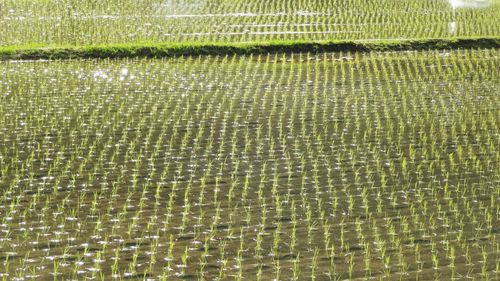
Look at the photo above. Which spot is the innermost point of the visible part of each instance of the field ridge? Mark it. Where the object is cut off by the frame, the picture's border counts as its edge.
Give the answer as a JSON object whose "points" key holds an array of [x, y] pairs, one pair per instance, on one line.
{"points": [[158, 50]]}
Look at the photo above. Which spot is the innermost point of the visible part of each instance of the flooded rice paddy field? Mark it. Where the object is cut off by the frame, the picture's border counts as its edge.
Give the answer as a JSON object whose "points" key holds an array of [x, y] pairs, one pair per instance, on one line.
{"points": [[75, 22], [288, 167]]}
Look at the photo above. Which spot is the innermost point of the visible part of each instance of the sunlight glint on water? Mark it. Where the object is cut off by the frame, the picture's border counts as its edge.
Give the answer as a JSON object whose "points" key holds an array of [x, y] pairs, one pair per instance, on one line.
{"points": [[475, 4], [470, 3]]}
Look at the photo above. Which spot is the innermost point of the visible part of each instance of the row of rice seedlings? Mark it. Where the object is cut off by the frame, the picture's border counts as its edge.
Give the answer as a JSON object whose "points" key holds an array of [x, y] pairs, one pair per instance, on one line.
{"points": [[333, 166], [113, 21]]}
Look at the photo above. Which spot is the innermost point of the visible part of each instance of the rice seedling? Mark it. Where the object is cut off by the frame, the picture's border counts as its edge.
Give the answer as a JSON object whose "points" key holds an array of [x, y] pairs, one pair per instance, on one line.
{"points": [[302, 166], [72, 22]]}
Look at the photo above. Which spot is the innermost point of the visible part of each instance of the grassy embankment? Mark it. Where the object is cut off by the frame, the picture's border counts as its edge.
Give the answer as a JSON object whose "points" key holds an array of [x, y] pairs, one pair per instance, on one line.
{"points": [[188, 49]]}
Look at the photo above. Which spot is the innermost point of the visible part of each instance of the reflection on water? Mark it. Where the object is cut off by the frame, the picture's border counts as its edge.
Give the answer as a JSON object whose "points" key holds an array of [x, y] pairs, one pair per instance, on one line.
{"points": [[453, 27], [470, 3], [174, 7], [466, 4]]}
